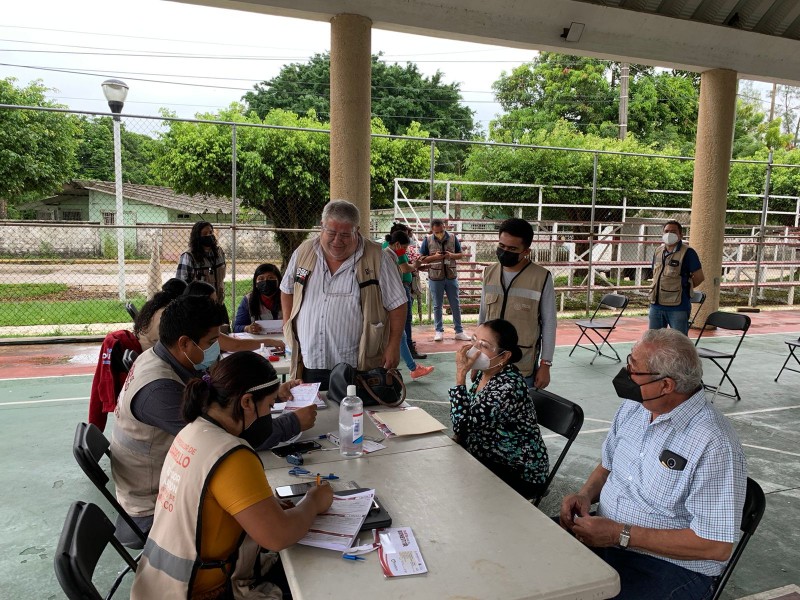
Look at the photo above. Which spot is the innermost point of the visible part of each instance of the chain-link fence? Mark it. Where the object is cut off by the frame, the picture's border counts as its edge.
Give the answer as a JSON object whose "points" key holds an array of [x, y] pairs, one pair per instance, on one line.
{"points": [[72, 258]]}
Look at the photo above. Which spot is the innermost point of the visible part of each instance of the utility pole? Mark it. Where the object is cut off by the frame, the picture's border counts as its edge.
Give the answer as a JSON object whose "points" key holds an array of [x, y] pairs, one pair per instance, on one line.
{"points": [[623, 100], [772, 102]]}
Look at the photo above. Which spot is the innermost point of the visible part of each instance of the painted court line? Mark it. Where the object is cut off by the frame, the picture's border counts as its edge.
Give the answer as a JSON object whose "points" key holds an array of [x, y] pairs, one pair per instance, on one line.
{"points": [[771, 449], [761, 410], [42, 401], [2, 379]]}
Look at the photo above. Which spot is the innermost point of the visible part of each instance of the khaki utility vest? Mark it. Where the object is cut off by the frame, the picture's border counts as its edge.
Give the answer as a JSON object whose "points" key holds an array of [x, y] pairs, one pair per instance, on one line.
{"points": [[375, 318], [215, 274], [519, 304], [171, 556], [667, 287], [138, 449], [442, 269]]}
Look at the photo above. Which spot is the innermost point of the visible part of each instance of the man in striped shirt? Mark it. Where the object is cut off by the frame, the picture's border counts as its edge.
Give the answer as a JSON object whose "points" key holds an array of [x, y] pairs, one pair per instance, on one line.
{"points": [[672, 481]]}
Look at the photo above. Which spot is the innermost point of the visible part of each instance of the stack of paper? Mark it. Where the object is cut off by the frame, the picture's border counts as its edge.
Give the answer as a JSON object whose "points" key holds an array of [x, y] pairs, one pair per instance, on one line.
{"points": [[302, 395], [405, 421], [337, 528]]}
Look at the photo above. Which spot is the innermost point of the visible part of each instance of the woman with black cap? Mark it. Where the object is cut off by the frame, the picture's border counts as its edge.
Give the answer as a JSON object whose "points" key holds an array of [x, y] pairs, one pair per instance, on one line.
{"points": [[495, 419]]}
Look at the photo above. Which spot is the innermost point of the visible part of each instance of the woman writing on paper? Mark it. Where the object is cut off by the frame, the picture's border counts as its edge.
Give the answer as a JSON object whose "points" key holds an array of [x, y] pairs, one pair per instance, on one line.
{"points": [[262, 303], [213, 491], [495, 419]]}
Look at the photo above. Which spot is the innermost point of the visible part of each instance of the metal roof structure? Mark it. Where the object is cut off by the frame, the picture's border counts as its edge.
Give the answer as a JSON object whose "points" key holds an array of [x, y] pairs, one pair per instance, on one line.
{"points": [[759, 39]]}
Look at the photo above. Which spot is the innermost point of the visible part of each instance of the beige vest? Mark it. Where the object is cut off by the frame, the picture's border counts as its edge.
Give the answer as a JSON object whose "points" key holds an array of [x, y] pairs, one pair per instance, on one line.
{"points": [[171, 556], [137, 449], [519, 304], [375, 318], [440, 269], [667, 287]]}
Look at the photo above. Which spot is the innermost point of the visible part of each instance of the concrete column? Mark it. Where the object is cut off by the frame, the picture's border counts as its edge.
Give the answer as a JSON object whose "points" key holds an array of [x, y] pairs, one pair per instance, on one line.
{"points": [[711, 168], [351, 98]]}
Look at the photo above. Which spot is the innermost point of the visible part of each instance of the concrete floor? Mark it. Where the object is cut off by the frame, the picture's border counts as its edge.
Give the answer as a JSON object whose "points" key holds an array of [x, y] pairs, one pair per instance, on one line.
{"points": [[40, 477]]}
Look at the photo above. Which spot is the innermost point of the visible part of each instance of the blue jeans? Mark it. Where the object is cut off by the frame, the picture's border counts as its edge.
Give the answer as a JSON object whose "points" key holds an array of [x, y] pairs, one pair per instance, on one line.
{"points": [[643, 576], [405, 353], [677, 319], [409, 314], [438, 289]]}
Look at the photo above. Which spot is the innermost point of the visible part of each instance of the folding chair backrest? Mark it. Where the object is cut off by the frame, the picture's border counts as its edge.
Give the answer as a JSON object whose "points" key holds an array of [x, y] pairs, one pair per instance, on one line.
{"points": [[560, 416], [132, 310], [698, 298], [616, 302], [726, 320], [88, 448], [86, 534], [754, 505]]}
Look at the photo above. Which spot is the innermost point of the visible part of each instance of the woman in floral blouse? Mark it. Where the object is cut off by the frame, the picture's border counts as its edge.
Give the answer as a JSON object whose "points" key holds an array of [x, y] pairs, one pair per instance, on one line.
{"points": [[495, 419]]}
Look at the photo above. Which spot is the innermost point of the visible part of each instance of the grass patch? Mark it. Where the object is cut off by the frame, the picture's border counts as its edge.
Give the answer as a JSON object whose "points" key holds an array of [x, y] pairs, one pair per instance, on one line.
{"points": [[43, 312], [18, 291]]}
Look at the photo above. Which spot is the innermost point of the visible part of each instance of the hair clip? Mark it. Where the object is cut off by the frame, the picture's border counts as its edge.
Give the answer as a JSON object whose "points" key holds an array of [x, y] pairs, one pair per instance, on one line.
{"points": [[207, 379]]}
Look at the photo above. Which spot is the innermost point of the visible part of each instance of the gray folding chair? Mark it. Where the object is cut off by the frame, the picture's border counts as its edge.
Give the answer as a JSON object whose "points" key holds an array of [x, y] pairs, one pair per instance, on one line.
{"points": [[793, 345], [698, 299], [598, 330], [731, 322], [560, 416], [86, 534], [754, 505]]}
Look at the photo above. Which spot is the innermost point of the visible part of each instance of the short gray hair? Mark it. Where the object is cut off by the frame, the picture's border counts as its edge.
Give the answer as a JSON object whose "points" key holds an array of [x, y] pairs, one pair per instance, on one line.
{"points": [[343, 211], [673, 355]]}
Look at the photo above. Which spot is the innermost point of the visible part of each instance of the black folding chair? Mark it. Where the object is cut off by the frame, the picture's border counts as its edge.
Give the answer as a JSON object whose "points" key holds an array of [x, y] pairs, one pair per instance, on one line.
{"points": [[793, 345], [86, 534], [602, 328], [754, 505], [560, 416], [132, 310], [731, 322], [698, 298], [88, 449]]}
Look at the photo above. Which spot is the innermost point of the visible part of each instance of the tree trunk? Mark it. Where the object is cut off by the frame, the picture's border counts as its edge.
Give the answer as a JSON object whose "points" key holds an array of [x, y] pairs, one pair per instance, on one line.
{"points": [[3, 208]]}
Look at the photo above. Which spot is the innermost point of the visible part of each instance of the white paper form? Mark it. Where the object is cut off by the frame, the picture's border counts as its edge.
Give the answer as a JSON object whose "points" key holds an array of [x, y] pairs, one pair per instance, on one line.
{"points": [[337, 528], [270, 326], [303, 395]]}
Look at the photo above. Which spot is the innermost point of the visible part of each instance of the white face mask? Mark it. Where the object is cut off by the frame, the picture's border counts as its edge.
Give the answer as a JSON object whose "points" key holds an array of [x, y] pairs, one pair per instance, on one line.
{"points": [[670, 238], [482, 362]]}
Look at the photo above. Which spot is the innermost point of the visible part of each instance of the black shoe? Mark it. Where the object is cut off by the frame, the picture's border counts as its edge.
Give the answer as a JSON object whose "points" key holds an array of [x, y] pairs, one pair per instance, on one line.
{"points": [[415, 354]]}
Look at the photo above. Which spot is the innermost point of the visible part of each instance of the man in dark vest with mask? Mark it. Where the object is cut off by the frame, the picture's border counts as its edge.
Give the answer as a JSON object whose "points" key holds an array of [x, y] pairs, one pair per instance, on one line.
{"points": [[520, 291], [148, 413], [672, 481], [676, 271]]}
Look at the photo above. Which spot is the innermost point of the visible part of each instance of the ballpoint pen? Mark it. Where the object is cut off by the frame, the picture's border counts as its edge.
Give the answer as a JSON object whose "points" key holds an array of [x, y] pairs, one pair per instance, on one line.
{"points": [[352, 557]]}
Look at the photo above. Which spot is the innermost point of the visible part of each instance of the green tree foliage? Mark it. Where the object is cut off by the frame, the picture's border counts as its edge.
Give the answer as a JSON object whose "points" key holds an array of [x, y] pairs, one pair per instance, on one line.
{"points": [[401, 95], [284, 173], [95, 153], [630, 175], [37, 148]]}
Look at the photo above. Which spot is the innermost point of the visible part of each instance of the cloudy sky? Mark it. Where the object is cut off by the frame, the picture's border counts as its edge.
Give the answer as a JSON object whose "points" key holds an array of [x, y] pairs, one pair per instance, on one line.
{"points": [[194, 59]]}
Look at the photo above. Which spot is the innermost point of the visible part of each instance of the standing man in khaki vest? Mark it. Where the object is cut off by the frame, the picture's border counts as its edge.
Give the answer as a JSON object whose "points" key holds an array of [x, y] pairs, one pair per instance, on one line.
{"points": [[342, 300], [676, 271], [440, 250], [520, 291]]}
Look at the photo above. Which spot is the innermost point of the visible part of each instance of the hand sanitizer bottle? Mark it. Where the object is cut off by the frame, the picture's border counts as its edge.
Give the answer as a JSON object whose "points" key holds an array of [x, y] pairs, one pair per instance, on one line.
{"points": [[351, 424]]}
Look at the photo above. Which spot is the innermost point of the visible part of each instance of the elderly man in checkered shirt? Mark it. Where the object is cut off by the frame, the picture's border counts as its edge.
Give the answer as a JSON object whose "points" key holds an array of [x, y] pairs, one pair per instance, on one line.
{"points": [[672, 481]]}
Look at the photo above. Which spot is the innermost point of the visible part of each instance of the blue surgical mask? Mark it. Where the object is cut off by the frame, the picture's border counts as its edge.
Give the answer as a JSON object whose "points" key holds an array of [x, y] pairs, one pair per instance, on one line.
{"points": [[210, 356]]}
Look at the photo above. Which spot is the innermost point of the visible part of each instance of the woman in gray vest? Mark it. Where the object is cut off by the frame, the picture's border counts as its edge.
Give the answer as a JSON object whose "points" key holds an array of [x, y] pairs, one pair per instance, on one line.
{"points": [[215, 505]]}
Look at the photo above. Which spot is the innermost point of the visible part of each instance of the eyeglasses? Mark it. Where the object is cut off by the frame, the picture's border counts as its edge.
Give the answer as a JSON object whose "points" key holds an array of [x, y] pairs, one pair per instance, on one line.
{"points": [[628, 367], [332, 234], [483, 345]]}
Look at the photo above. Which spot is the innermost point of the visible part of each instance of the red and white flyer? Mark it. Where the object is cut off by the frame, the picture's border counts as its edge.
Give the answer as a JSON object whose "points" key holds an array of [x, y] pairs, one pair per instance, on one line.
{"points": [[398, 552]]}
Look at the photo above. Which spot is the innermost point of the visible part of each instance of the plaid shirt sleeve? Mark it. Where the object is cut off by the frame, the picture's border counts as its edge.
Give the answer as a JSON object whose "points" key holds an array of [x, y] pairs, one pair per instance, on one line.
{"points": [[185, 267]]}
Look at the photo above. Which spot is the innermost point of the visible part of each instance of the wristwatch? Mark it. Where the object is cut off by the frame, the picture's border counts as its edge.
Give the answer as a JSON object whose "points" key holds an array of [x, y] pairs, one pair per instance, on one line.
{"points": [[549, 363], [625, 537]]}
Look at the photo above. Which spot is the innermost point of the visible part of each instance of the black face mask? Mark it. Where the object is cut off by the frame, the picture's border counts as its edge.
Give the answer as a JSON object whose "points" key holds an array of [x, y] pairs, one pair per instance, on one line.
{"points": [[267, 287], [259, 430], [209, 241], [506, 258], [628, 389]]}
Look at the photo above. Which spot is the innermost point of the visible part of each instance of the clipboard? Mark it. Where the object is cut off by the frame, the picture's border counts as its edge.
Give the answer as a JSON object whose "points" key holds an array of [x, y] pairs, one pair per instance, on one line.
{"points": [[376, 518]]}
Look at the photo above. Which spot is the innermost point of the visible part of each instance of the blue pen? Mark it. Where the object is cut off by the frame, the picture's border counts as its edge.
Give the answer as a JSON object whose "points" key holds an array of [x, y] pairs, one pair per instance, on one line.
{"points": [[352, 557]]}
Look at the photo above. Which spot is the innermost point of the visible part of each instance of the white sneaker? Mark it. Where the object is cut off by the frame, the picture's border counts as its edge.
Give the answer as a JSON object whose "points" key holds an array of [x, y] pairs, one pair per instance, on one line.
{"points": [[463, 337], [438, 336]]}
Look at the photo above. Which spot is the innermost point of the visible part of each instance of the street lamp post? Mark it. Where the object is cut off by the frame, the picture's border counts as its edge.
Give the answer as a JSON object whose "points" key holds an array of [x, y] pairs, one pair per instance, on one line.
{"points": [[115, 92]]}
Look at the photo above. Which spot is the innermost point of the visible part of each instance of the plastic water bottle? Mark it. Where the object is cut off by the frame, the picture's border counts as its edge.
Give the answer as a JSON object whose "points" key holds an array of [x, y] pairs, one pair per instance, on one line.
{"points": [[351, 424]]}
